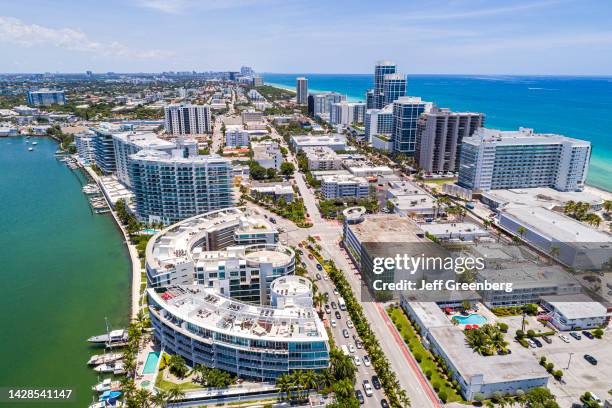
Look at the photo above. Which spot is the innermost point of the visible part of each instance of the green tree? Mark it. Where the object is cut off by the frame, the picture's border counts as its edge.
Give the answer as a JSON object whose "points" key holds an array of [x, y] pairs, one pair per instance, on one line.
{"points": [[178, 367], [287, 169]]}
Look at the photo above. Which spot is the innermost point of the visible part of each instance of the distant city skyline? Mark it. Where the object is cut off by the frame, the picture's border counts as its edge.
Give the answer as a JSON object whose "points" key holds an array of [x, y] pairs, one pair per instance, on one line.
{"points": [[540, 37]]}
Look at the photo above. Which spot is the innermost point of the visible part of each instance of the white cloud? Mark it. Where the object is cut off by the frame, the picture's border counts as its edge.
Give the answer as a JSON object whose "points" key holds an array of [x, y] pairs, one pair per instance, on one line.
{"points": [[13, 30]]}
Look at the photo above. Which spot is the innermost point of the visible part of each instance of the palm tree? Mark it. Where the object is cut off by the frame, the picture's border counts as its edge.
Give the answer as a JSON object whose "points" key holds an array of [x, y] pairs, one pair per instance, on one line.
{"points": [[522, 231], [343, 389], [175, 393], [487, 223], [160, 399], [143, 398], [299, 380], [607, 206], [570, 207], [311, 380], [404, 400], [284, 383], [593, 219]]}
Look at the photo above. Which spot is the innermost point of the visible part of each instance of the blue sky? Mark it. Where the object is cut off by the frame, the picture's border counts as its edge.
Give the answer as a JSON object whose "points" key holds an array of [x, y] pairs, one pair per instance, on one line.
{"points": [[571, 37]]}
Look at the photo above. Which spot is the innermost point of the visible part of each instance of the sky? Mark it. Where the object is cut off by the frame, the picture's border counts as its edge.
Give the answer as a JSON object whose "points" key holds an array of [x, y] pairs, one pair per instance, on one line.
{"points": [[539, 37]]}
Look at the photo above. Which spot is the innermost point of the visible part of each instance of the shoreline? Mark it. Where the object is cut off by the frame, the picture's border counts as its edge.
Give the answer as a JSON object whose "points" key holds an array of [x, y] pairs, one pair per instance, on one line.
{"points": [[133, 253]]}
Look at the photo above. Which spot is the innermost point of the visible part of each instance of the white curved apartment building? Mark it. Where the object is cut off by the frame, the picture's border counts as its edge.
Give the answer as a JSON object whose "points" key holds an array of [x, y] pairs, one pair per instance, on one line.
{"points": [[233, 251], [255, 342], [291, 291]]}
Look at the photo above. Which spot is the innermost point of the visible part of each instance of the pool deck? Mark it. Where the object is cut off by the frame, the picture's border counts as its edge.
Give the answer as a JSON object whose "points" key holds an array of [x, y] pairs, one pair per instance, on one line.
{"points": [[482, 310], [141, 360]]}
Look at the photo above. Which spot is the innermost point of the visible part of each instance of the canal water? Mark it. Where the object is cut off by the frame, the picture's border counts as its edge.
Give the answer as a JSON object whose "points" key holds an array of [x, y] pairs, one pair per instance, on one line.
{"points": [[63, 269]]}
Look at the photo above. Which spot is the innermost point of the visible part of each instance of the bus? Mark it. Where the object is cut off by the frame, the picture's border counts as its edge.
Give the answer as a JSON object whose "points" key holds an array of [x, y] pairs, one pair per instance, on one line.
{"points": [[341, 303]]}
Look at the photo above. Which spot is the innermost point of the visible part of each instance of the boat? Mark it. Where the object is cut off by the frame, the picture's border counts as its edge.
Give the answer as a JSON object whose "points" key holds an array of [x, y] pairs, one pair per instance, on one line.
{"points": [[30, 149], [99, 404], [104, 358], [27, 141], [115, 368], [107, 385], [114, 336], [34, 143], [110, 395]]}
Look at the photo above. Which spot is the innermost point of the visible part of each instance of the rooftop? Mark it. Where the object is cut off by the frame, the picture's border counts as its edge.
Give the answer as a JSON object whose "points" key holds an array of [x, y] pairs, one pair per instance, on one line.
{"points": [[144, 140], [578, 306], [541, 197], [206, 308], [385, 228], [519, 137], [556, 225], [291, 285], [531, 276], [176, 157]]}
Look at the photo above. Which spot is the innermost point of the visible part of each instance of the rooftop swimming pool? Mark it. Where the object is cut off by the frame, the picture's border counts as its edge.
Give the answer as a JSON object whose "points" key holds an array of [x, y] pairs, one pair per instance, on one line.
{"points": [[151, 363], [474, 318]]}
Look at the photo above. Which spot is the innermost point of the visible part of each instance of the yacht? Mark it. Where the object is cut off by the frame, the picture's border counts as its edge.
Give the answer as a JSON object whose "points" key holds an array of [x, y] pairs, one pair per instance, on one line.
{"points": [[34, 143], [115, 368], [30, 149], [104, 358], [114, 336], [107, 385]]}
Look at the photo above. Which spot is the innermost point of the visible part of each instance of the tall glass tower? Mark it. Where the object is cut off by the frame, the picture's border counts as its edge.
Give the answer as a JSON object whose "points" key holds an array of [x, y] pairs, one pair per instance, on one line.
{"points": [[381, 69]]}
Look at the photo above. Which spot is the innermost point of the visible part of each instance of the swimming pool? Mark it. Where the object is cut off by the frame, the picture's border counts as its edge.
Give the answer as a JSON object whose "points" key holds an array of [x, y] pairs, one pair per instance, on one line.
{"points": [[474, 318], [151, 363]]}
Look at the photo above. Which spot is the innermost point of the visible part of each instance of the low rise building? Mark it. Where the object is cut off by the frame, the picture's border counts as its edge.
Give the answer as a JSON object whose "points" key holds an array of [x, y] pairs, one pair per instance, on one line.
{"points": [[382, 142], [571, 242], [268, 154], [538, 197], [530, 283], [236, 136], [577, 312], [462, 231], [251, 116], [276, 191], [475, 373], [333, 141], [366, 170], [345, 187], [322, 158]]}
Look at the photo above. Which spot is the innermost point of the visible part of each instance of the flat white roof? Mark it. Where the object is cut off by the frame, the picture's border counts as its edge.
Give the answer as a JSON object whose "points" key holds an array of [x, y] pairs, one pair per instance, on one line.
{"points": [[519, 137], [577, 306], [541, 196], [556, 225]]}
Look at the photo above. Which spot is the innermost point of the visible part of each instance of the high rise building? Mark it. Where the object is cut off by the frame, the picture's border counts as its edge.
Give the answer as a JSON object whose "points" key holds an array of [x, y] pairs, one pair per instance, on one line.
{"points": [[378, 122], [406, 112], [370, 103], [394, 87], [381, 69], [171, 187], [439, 136], [493, 159], [84, 142], [301, 88], [46, 97], [258, 81], [347, 113], [104, 148], [188, 119], [247, 71], [320, 103]]}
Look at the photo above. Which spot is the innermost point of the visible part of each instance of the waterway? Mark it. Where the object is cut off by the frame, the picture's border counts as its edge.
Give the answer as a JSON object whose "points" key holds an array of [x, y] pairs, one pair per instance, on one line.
{"points": [[63, 270]]}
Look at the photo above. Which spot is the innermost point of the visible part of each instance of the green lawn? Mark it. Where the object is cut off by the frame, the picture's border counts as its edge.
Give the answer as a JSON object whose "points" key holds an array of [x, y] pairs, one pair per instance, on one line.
{"points": [[427, 363], [167, 385]]}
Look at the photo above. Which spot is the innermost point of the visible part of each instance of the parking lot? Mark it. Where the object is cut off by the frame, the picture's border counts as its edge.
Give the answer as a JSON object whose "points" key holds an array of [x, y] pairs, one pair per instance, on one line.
{"points": [[581, 376]]}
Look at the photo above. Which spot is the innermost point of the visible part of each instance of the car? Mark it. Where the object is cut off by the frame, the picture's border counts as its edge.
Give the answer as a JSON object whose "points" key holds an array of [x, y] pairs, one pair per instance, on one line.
{"points": [[366, 361], [547, 339], [590, 359], [376, 382], [336, 292], [351, 348], [333, 323], [273, 220], [537, 342], [359, 344], [588, 334], [576, 335], [357, 360], [325, 277], [367, 388], [564, 338], [359, 396], [338, 315], [327, 309], [334, 305], [384, 403], [310, 256], [350, 324], [303, 264], [595, 398], [345, 333], [319, 267], [318, 276], [531, 343]]}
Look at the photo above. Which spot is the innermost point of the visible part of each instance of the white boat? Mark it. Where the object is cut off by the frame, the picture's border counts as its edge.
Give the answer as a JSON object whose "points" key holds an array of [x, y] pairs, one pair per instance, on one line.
{"points": [[116, 367], [114, 336], [100, 404], [107, 385], [34, 143], [104, 358], [30, 149]]}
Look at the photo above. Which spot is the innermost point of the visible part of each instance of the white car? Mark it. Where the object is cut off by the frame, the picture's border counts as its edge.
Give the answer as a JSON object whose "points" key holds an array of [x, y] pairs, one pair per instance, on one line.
{"points": [[531, 343], [336, 292], [367, 388], [564, 338], [351, 348], [357, 360], [333, 323], [366, 361], [349, 324]]}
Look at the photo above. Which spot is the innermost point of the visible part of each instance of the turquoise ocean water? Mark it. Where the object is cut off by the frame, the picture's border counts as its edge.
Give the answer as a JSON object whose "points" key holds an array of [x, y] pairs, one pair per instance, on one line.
{"points": [[64, 269], [579, 107]]}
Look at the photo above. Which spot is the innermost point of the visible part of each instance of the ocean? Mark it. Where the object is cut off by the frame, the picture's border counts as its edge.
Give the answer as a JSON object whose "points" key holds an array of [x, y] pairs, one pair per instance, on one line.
{"points": [[64, 269], [579, 107]]}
